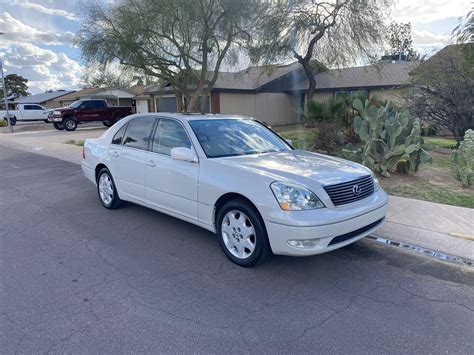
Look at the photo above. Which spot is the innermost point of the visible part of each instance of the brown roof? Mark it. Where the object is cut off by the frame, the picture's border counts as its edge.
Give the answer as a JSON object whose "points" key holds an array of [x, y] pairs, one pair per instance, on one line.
{"points": [[247, 79], [76, 95], [87, 91], [376, 75]]}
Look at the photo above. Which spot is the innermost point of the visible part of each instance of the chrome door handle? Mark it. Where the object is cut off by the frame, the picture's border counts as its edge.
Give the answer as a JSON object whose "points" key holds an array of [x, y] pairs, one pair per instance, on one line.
{"points": [[114, 153], [151, 163]]}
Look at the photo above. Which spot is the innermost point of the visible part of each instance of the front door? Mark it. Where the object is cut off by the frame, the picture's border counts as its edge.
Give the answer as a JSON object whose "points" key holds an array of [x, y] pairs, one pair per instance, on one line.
{"points": [[171, 184], [128, 157]]}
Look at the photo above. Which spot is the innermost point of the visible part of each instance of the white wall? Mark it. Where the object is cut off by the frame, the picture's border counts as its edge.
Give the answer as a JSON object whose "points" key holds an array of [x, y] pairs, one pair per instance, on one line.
{"points": [[142, 106]]}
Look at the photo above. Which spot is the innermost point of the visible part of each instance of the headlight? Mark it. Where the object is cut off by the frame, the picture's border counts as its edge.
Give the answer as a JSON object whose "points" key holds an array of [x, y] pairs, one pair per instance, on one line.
{"points": [[292, 197], [376, 182]]}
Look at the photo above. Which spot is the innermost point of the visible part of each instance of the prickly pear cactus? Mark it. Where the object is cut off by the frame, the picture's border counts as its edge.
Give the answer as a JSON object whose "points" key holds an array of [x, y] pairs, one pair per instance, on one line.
{"points": [[387, 137], [463, 160]]}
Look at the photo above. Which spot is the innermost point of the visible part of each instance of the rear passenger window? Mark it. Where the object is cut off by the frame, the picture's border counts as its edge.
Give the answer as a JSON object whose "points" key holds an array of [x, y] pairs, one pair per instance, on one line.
{"points": [[119, 135], [138, 133]]}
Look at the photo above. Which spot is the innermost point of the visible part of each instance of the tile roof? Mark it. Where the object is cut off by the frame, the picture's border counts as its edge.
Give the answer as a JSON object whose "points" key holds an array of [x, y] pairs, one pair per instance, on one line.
{"points": [[77, 95], [40, 98], [376, 75]]}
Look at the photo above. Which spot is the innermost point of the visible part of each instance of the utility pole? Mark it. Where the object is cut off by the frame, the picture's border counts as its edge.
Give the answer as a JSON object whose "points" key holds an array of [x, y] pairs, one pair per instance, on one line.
{"points": [[5, 93]]}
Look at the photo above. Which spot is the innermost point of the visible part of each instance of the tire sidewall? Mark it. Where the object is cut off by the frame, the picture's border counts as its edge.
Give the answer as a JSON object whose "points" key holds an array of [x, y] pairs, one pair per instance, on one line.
{"points": [[69, 119], [58, 125], [262, 247], [115, 203]]}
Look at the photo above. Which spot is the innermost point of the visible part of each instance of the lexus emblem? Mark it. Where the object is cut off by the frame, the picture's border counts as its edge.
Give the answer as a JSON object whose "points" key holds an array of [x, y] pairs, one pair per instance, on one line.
{"points": [[356, 190]]}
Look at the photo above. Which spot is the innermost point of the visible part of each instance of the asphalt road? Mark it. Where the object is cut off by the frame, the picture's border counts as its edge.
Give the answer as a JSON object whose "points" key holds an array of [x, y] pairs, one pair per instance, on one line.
{"points": [[77, 278]]}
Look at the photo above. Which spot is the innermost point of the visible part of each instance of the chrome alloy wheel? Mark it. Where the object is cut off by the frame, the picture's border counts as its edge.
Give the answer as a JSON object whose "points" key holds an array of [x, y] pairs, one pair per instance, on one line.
{"points": [[70, 124], [238, 234], [106, 189]]}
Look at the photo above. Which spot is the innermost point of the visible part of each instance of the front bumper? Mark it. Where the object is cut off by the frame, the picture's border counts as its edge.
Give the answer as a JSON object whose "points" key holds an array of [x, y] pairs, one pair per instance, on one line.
{"points": [[55, 118], [321, 237]]}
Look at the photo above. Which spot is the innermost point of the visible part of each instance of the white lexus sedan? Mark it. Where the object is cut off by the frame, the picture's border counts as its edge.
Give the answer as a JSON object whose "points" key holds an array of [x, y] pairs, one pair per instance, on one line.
{"points": [[237, 178]]}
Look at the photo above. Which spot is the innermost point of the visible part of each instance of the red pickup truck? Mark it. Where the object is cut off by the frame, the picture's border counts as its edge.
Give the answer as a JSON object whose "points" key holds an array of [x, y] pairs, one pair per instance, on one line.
{"points": [[87, 111]]}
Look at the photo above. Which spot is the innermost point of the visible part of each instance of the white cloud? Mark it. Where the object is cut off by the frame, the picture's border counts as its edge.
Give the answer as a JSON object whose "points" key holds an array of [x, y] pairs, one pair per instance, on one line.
{"points": [[16, 32], [423, 38], [429, 10], [46, 10], [43, 68]]}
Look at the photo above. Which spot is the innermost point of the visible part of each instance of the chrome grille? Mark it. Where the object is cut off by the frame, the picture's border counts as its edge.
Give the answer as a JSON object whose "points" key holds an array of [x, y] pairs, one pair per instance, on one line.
{"points": [[348, 192]]}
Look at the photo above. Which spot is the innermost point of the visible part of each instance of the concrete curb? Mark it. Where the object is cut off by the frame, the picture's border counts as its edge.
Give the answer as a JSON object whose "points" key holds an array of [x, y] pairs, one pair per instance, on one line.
{"points": [[425, 251]]}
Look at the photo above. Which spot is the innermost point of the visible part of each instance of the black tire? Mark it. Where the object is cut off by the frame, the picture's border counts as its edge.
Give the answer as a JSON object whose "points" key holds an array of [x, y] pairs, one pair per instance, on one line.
{"points": [[13, 120], [107, 123], [115, 201], [70, 124], [58, 125], [45, 121], [116, 119], [262, 246]]}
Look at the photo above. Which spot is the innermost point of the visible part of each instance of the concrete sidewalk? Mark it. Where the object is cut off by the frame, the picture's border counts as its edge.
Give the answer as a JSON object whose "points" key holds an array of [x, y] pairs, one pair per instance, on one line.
{"points": [[430, 225], [415, 222]]}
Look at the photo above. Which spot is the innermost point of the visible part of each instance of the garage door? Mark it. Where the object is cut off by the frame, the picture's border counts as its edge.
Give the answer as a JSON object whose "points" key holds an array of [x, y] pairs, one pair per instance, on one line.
{"points": [[167, 104]]}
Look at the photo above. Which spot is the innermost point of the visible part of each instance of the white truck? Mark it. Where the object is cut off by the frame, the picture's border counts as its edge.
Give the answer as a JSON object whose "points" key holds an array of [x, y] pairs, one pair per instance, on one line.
{"points": [[26, 112]]}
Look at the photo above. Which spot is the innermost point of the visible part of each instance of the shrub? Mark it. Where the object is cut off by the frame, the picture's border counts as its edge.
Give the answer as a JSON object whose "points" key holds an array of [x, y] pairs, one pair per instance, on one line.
{"points": [[463, 160], [3, 123], [327, 137], [387, 137]]}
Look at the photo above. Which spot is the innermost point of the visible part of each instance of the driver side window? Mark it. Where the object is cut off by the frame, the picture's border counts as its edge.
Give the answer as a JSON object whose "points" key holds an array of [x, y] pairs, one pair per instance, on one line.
{"points": [[169, 134]]}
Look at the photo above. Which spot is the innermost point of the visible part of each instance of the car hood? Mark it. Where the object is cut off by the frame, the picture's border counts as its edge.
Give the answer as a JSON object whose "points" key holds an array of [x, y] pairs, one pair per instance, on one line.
{"points": [[299, 166]]}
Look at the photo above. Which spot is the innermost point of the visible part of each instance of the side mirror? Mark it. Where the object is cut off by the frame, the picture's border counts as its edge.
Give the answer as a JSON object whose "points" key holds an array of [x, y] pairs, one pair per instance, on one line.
{"points": [[289, 141], [182, 153]]}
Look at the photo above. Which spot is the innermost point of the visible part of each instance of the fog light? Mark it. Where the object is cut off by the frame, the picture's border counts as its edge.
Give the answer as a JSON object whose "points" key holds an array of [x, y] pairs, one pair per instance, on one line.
{"points": [[305, 243]]}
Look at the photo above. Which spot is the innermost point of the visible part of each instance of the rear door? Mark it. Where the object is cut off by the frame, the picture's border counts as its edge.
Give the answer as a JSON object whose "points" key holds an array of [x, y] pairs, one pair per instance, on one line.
{"points": [[91, 110], [33, 112], [171, 184], [128, 156]]}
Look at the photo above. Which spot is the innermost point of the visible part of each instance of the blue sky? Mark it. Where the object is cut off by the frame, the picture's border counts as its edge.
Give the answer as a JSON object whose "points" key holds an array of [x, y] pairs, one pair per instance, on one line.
{"points": [[38, 34]]}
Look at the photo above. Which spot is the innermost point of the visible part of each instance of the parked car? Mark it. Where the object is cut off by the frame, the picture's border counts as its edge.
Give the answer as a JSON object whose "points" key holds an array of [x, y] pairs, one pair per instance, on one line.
{"points": [[237, 178], [87, 111], [26, 112]]}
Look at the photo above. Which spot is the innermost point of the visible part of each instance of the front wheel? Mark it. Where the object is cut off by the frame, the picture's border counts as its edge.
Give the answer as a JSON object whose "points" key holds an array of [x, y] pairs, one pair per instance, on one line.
{"points": [[58, 125], [70, 124], [108, 195], [242, 234]]}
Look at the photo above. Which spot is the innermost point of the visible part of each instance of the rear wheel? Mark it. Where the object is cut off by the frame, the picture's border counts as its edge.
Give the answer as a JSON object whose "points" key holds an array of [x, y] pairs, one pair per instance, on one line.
{"points": [[108, 195], [116, 119], [107, 123], [58, 125], [242, 234], [12, 120], [70, 124]]}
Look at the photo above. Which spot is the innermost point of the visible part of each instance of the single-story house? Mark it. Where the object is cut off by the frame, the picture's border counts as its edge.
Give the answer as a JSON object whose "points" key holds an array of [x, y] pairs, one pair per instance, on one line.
{"points": [[46, 99], [276, 94], [114, 97]]}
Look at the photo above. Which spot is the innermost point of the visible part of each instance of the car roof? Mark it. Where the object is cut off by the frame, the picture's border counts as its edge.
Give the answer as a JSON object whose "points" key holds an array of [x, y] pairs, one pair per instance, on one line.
{"points": [[194, 116]]}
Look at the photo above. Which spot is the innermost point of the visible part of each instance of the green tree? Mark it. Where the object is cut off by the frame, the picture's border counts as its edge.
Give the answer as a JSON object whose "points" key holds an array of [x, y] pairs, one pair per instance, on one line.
{"points": [[178, 42], [16, 84], [333, 32], [444, 88], [400, 42]]}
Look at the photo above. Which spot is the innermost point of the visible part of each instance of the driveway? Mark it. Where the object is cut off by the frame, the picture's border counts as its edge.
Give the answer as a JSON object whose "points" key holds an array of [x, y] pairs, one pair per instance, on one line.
{"points": [[78, 278]]}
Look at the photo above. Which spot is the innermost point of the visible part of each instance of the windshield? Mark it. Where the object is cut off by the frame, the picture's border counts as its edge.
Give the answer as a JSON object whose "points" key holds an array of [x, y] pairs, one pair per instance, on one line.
{"points": [[75, 104], [231, 137]]}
